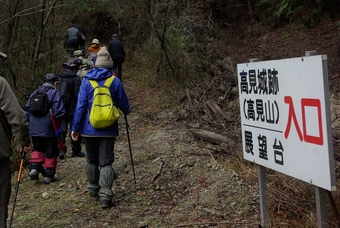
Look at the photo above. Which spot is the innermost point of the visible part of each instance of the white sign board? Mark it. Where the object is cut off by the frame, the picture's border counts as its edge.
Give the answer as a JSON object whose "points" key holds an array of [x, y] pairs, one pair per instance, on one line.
{"points": [[285, 117]]}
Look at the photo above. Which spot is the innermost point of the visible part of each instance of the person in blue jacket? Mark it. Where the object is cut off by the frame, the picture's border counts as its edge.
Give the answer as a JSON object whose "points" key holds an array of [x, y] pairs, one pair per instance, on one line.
{"points": [[99, 143], [45, 142]]}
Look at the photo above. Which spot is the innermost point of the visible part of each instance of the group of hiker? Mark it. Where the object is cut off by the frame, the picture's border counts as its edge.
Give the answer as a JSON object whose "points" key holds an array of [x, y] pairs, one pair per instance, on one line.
{"points": [[70, 103], [75, 43]]}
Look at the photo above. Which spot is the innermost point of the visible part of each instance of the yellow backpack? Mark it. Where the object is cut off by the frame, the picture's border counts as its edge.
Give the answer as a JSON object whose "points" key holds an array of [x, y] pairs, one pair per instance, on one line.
{"points": [[103, 112]]}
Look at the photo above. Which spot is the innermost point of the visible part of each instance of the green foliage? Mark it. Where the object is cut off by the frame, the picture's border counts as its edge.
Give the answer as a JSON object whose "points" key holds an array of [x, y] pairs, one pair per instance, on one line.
{"points": [[29, 217], [176, 57], [79, 6], [283, 9], [328, 7], [286, 9]]}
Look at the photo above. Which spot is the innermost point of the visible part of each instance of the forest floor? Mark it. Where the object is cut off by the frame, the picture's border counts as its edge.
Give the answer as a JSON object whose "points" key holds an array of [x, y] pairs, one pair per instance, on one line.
{"points": [[181, 181]]}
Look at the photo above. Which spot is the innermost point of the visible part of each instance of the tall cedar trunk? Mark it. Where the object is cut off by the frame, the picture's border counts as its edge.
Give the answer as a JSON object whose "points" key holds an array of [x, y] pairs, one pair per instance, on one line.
{"points": [[251, 11], [11, 26]]}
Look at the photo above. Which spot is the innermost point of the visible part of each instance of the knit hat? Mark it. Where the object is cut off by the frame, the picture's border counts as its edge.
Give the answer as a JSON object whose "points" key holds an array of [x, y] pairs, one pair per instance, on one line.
{"points": [[78, 53], [51, 78], [95, 41], [104, 59]]}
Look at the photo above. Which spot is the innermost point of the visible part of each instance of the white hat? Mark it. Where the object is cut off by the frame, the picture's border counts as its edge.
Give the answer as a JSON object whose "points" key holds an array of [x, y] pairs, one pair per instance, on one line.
{"points": [[104, 59], [95, 41], [3, 55]]}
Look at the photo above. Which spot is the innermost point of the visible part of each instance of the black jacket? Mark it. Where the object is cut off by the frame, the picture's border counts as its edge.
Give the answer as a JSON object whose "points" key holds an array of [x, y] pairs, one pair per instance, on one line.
{"points": [[116, 49], [73, 82]]}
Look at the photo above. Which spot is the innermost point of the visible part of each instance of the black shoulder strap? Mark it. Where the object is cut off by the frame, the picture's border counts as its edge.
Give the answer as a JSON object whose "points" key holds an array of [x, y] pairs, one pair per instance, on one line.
{"points": [[43, 90]]}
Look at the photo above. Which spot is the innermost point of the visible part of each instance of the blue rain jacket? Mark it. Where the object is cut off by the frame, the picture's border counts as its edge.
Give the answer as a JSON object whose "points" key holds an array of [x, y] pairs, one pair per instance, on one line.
{"points": [[42, 126], [81, 122]]}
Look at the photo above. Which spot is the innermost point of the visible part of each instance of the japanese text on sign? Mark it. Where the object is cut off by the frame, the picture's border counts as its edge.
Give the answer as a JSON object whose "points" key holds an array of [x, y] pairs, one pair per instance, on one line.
{"points": [[284, 118]]}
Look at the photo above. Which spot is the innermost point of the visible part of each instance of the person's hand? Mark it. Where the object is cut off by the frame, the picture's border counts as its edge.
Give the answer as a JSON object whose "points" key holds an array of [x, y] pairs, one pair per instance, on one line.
{"points": [[74, 135], [26, 148]]}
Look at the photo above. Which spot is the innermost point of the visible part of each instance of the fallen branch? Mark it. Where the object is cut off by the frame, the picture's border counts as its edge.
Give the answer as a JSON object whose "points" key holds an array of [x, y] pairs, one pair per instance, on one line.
{"points": [[212, 157], [209, 87], [182, 99], [215, 109], [159, 172], [335, 77], [225, 94], [187, 92]]}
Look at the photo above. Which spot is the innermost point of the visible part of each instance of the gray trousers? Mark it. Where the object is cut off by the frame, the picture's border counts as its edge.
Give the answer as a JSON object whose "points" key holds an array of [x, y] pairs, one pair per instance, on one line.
{"points": [[99, 150], [5, 190], [99, 169]]}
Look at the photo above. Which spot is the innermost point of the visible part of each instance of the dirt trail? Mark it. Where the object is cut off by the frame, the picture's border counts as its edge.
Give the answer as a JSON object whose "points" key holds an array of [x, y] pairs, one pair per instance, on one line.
{"points": [[181, 182]]}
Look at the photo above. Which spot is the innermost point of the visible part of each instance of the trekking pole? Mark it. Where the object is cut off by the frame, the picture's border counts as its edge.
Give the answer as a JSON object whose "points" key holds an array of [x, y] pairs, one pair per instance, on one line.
{"points": [[17, 186], [127, 132]]}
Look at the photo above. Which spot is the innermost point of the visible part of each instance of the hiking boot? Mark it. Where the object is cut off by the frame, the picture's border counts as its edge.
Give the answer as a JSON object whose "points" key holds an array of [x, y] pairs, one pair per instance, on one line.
{"points": [[105, 204], [34, 174], [55, 178], [49, 180], [94, 196], [81, 155]]}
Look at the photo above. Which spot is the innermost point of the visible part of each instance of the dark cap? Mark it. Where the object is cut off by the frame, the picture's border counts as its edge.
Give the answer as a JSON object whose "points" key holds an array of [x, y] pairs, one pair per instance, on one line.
{"points": [[72, 62], [51, 78]]}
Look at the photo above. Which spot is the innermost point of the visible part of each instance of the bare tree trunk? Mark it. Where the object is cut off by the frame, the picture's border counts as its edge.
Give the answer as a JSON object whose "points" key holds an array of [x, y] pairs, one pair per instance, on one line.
{"points": [[162, 36], [11, 26], [44, 20], [251, 10]]}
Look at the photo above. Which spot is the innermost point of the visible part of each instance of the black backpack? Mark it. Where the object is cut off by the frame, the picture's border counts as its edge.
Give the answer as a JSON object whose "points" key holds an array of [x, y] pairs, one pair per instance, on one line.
{"points": [[64, 90], [39, 103]]}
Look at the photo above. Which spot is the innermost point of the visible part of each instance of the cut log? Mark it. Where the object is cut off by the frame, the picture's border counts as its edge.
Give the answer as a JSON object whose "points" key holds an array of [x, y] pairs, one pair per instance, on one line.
{"points": [[210, 136]]}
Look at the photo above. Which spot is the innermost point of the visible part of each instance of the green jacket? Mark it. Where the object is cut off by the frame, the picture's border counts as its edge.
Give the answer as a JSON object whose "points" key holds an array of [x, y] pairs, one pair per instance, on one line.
{"points": [[12, 117]]}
